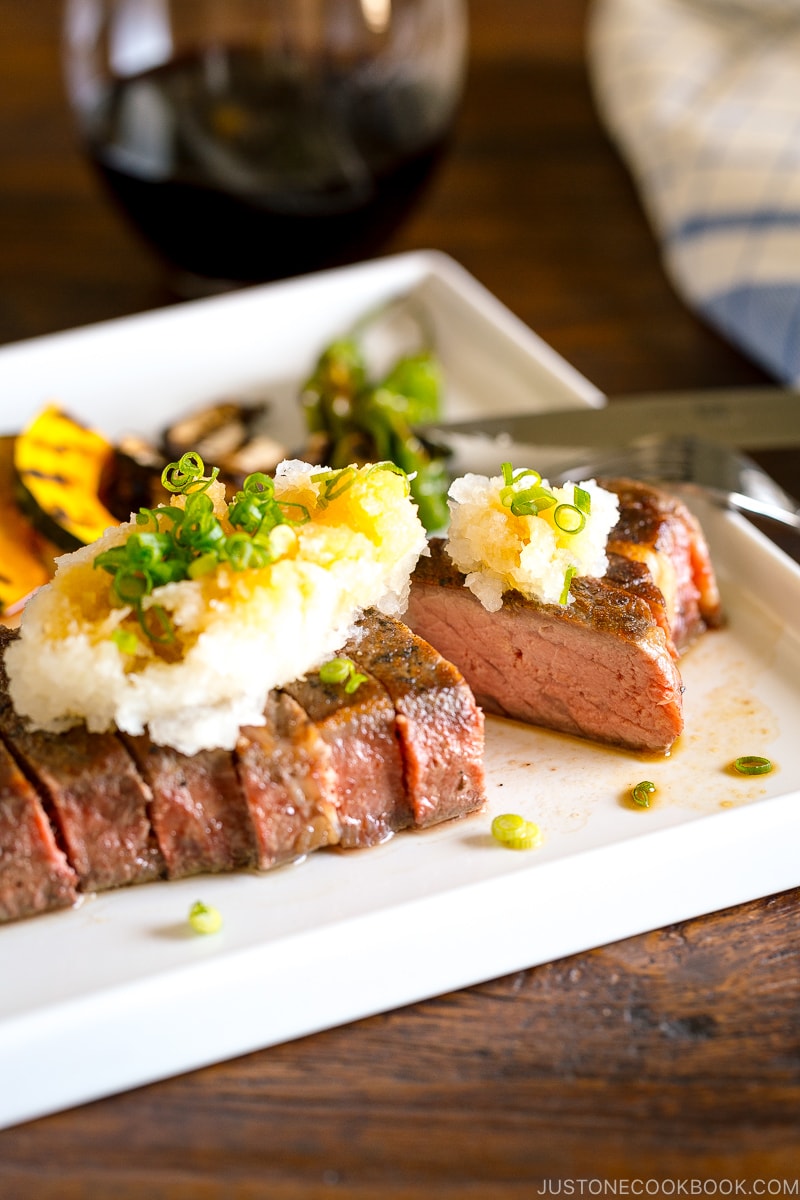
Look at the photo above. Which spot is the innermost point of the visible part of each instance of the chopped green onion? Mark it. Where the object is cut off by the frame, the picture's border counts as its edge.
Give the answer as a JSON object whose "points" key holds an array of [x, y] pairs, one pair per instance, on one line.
{"points": [[569, 575], [530, 501], [569, 519], [524, 502], [642, 792], [181, 476], [126, 641], [393, 468], [335, 483], [156, 624], [204, 918], [511, 476], [582, 500], [342, 670], [203, 565], [515, 832], [190, 542], [752, 764], [304, 516]]}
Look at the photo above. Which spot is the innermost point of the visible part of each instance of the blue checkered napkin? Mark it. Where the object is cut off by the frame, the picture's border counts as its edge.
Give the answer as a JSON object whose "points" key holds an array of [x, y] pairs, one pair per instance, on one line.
{"points": [[703, 100]]}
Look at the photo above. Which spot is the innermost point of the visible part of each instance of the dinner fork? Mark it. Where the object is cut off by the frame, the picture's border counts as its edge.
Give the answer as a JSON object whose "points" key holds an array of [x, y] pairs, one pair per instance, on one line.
{"points": [[723, 475]]}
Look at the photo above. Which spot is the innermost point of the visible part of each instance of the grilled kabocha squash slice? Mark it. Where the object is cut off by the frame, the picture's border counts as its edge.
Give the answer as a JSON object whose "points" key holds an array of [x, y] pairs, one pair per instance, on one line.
{"points": [[25, 557], [59, 466]]}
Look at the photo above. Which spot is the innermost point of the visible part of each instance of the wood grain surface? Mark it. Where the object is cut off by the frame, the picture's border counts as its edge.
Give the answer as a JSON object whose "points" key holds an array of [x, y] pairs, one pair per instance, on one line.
{"points": [[671, 1057]]}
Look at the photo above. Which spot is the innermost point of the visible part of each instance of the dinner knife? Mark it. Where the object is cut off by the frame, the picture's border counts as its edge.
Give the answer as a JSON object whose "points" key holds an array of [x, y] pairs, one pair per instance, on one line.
{"points": [[752, 418]]}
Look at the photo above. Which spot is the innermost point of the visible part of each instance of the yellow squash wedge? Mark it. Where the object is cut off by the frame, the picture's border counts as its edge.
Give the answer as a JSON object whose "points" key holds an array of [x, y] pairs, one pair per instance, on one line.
{"points": [[59, 466], [25, 558]]}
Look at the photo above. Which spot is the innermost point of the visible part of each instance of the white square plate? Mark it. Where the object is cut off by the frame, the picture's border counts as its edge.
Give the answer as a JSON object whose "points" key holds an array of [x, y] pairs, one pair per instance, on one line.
{"points": [[118, 992]]}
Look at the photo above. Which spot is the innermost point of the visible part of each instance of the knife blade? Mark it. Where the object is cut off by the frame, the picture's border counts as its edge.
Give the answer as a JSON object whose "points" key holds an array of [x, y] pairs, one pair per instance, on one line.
{"points": [[751, 418]]}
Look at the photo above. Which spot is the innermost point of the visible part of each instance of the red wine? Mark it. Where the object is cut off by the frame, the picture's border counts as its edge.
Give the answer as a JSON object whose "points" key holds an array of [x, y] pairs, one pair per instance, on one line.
{"points": [[235, 166]]}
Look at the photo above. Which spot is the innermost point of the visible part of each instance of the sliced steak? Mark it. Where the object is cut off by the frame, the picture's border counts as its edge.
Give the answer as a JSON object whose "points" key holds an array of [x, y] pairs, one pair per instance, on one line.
{"points": [[360, 729], [635, 577], [34, 873], [198, 812], [657, 529], [438, 722], [600, 668], [97, 799], [285, 771]]}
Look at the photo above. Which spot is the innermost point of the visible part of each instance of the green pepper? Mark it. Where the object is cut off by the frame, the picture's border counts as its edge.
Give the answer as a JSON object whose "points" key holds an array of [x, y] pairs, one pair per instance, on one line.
{"points": [[330, 391], [416, 380], [361, 421]]}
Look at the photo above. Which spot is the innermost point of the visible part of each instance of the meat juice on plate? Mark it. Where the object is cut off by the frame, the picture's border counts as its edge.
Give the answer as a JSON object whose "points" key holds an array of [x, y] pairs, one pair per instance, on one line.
{"points": [[238, 165]]}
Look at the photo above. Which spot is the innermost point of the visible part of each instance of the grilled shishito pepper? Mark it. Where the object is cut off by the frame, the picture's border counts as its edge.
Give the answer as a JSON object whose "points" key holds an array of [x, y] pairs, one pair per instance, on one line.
{"points": [[355, 420]]}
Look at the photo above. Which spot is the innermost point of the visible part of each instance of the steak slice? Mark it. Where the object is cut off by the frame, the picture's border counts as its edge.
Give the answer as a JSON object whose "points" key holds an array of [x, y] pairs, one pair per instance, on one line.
{"points": [[35, 876], [198, 812], [285, 771], [600, 668], [658, 530], [438, 722], [360, 729], [635, 577], [97, 799]]}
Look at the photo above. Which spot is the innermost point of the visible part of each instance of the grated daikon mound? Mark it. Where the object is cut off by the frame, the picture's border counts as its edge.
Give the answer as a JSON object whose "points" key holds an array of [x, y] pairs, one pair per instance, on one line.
{"points": [[498, 551], [238, 634]]}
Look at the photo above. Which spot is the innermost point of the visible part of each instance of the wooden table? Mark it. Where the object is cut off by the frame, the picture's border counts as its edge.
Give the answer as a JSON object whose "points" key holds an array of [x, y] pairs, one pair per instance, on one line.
{"points": [[673, 1056]]}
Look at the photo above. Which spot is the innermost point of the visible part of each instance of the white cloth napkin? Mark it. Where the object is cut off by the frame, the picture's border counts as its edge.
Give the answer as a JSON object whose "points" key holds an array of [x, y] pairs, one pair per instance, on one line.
{"points": [[703, 100]]}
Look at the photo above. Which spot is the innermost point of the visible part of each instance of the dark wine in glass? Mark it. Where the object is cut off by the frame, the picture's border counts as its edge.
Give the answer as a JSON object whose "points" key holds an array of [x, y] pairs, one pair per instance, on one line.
{"points": [[249, 159]]}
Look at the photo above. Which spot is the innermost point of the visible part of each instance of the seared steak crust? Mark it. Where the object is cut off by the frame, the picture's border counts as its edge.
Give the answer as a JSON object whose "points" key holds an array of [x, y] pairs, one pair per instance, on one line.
{"points": [[658, 530], [438, 722]]}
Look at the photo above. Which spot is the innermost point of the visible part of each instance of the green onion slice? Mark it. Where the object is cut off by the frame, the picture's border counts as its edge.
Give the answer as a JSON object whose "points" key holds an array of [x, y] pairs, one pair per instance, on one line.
{"points": [[394, 469], [204, 918], [569, 519], [582, 500], [514, 831], [752, 764], [126, 641], [530, 501], [511, 476], [180, 477], [569, 575], [334, 483], [342, 670], [189, 542], [642, 792]]}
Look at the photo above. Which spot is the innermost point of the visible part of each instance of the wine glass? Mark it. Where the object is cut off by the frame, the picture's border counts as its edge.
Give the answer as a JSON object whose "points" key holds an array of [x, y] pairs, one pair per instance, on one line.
{"points": [[255, 139]]}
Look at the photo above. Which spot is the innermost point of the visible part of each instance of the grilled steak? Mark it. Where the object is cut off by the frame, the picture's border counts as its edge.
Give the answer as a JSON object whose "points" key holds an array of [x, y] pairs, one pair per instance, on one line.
{"points": [[97, 799], [439, 724], [605, 666], [658, 530], [34, 873], [600, 668], [199, 814], [285, 771], [360, 729], [326, 768]]}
